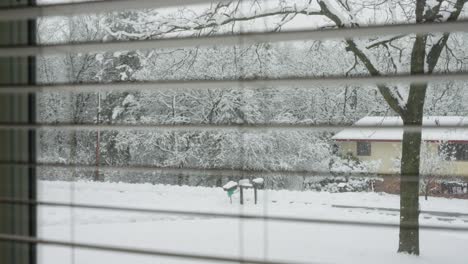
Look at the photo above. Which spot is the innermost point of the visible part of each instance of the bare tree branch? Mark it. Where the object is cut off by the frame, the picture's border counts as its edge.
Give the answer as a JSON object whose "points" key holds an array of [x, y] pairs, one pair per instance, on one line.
{"points": [[388, 95], [434, 53], [232, 18], [385, 41], [386, 92]]}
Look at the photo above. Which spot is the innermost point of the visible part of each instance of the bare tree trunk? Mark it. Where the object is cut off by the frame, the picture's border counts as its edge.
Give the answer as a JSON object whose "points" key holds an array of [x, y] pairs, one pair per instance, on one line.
{"points": [[426, 189], [409, 193], [410, 163], [411, 148], [97, 173], [73, 154]]}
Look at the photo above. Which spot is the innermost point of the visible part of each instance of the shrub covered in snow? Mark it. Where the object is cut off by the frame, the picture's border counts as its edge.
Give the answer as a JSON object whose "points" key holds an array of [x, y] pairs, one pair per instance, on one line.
{"points": [[339, 184]]}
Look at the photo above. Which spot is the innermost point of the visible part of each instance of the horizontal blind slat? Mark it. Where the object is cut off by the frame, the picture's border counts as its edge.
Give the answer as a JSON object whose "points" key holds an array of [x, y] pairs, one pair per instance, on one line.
{"points": [[187, 170], [90, 7], [139, 251], [296, 82], [245, 216], [229, 127]]}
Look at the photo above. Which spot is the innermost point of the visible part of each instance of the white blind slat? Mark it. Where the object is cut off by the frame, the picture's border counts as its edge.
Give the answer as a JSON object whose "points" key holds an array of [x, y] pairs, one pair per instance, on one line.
{"points": [[247, 39], [89, 7]]}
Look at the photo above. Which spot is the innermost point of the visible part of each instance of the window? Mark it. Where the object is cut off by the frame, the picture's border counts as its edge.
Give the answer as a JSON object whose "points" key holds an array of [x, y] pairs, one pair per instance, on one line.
{"points": [[363, 148], [454, 151], [127, 98]]}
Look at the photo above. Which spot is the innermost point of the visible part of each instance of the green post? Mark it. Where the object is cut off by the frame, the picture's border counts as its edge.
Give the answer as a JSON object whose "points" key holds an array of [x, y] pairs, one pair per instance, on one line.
{"points": [[230, 193], [255, 193]]}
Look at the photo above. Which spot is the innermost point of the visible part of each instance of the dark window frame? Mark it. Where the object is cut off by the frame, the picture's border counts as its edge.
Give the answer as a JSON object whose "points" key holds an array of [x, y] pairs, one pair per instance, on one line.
{"points": [[18, 182], [363, 148], [455, 151]]}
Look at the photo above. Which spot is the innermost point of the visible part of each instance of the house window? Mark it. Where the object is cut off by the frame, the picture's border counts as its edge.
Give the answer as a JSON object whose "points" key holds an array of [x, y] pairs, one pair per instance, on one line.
{"points": [[454, 151], [363, 148]]}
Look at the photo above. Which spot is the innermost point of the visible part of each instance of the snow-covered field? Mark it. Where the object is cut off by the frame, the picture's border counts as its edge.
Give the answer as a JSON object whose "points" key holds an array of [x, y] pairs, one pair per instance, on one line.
{"points": [[300, 242]]}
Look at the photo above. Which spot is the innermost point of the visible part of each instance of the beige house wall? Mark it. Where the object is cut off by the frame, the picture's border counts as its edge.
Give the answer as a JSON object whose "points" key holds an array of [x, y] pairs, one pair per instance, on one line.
{"points": [[388, 154]]}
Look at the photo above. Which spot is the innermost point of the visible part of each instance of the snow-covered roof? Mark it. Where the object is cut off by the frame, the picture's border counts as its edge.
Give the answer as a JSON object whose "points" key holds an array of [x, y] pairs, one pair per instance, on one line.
{"points": [[391, 134]]}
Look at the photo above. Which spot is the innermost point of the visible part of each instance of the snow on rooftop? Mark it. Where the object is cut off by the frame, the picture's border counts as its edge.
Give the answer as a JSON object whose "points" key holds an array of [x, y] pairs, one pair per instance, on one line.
{"points": [[392, 134]]}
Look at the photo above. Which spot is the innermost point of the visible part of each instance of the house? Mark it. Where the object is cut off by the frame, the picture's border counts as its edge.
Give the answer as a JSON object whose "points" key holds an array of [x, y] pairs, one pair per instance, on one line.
{"points": [[447, 147]]}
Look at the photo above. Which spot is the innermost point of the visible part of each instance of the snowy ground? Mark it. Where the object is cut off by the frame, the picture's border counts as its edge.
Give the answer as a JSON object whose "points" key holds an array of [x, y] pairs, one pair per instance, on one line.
{"points": [[304, 242]]}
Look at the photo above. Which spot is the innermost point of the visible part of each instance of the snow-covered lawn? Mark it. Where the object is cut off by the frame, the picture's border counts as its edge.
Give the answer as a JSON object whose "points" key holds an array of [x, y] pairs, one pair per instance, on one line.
{"points": [[301, 242]]}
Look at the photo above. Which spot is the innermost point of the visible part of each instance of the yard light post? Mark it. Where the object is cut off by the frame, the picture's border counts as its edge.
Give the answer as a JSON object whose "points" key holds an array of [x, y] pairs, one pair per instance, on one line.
{"points": [[241, 194], [244, 183], [257, 183]]}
